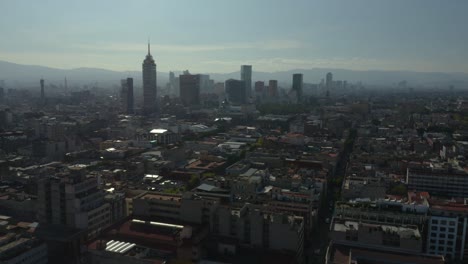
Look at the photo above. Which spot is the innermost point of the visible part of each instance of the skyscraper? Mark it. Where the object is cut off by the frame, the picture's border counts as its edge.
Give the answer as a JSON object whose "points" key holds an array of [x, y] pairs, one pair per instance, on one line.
{"points": [[236, 91], [273, 88], [246, 76], [149, 84], [42, 90], [298, 85], [259, 90], [126, 95], [329, 81], [190, 89]]}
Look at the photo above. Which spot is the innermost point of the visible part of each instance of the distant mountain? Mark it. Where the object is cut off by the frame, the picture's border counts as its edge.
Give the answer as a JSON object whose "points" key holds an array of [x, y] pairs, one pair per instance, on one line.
{"points": [[29, 75], [372, 77]]}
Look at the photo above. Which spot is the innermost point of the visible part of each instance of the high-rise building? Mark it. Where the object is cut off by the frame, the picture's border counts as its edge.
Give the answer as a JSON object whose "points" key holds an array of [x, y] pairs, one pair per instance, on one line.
{"points": [[149, 84], [298, 85], [42, 90], [189, 89], [259, 86], [73, 199], [173, 84], [273, 88], [259, 90], [126, 95], [205, 83], [246, 76], [235, 91], [329, 81]]}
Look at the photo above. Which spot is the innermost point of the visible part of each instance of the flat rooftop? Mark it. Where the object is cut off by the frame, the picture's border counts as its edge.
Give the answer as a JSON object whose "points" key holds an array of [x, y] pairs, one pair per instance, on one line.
{"points": [[162, 197]]}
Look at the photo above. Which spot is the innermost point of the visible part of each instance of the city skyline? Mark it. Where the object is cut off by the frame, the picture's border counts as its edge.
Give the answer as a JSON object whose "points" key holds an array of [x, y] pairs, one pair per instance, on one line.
{"points": [[273, 36]]}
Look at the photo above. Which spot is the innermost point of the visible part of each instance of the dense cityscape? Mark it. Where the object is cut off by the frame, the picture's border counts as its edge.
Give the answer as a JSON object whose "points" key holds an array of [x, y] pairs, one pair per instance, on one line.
{"points": [[172, 167]]}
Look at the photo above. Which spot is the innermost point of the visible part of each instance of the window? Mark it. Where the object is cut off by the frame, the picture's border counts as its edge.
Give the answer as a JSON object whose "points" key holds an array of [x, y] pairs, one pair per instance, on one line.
{"points": [[443, 229], [434, 228], [451, 229], [434, 221], [450, 236], [443, 222]]}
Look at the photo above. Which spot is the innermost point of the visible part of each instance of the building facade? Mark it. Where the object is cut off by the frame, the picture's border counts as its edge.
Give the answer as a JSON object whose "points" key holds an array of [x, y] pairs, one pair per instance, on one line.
{"points": [[236, 91], [74, 200], [126, 95], [189, 86], [246, 76], [297, 85], [149, 84]]}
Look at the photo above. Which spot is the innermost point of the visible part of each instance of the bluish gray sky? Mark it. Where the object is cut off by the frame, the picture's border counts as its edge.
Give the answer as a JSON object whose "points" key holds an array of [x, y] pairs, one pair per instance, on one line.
{"points": [[220, 35]]}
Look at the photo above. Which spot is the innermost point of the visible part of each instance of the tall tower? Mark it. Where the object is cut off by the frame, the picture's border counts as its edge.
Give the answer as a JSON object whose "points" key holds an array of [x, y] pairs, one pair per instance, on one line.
{"points": [[329, 81], [149, 84], [246, 76], [297, 85], [42, 90], [126, 94]]}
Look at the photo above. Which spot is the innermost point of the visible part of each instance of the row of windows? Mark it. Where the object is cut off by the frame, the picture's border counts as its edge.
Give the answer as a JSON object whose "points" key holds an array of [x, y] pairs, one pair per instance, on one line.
{"points": [[442, 235], [442, 242], [443, 229], [440, 248], [443, 222]]}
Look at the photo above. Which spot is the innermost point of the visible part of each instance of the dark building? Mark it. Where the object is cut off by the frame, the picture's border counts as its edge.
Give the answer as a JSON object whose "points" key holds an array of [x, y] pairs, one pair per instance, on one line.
{"points": [[2, 94], [329, 81], [126, 95], [246, 76], [273, 88], [259, 90], [189, 86], [297, 85], [42, 90], [149, 84], [236, 91]]}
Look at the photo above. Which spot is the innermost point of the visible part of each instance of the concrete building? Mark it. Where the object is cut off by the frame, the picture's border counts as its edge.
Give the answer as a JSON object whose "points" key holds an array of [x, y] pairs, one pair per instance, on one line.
{"points": [[438, 180], [254, 227], [189, 86], [246, 76], [149, 84], [259, 90], [236, 91], [190, 208], [42, 91], [297, 85], [404, 239], [126, 95], [73, 199], [158, 205], [17, 249], [273, 88], [447, 230], [329, 81]]}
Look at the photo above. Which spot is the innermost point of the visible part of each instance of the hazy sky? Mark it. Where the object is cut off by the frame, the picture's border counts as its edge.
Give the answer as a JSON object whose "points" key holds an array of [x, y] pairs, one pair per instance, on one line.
{"points": [[220, 35]]}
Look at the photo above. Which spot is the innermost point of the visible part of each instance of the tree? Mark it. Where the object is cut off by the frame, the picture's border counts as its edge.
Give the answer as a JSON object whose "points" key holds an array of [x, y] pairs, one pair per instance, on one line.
{"points": [[193, 182]]}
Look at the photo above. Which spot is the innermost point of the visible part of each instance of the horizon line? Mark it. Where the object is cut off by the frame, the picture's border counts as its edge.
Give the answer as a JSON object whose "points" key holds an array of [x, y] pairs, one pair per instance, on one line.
{"points": [[253, 67]]}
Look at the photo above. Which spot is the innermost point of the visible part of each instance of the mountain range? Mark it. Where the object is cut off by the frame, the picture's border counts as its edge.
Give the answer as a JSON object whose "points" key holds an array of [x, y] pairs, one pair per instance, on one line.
{"points": [[12, 74]]}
